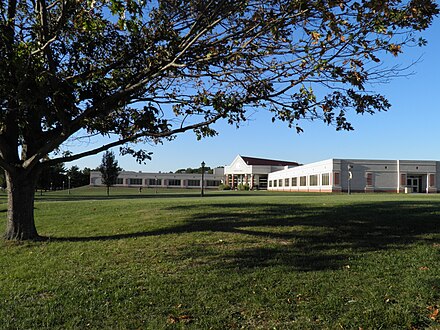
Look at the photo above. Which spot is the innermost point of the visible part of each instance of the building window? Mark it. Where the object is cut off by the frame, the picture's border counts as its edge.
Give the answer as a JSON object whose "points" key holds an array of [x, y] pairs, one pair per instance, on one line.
{"points": [[431, 180], [119, 181], [275, 183], [270, 183], [174, 182], [280, 182], [286, 182], [213, 183], [369, 177], [303, 181], [294, 182], [402, 179], [313, 180], [154, 182], [337, 178], [194, 183], [135, 181], [325, 179]]}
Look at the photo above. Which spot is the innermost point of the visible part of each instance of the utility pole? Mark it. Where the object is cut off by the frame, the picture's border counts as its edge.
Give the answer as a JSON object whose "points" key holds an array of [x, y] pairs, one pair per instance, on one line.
{"points": [[350, 176], [203, 179]]}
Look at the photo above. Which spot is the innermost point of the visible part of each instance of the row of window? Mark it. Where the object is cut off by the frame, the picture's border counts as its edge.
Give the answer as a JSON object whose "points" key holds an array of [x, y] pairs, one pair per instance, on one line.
{"points": [[171, 182], [313, 180], [302, 181]]}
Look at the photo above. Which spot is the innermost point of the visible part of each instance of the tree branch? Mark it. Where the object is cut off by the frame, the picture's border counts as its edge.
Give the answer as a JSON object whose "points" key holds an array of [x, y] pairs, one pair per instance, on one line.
{"points": [[131, 139]]}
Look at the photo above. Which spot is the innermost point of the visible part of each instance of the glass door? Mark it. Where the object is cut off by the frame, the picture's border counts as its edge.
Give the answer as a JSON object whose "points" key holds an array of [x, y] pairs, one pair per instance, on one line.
{"points": [[413, 184]]}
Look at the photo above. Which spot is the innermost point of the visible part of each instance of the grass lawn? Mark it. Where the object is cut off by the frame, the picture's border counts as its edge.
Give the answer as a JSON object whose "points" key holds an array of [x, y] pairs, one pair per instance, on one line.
{"points": [[252, 260]]}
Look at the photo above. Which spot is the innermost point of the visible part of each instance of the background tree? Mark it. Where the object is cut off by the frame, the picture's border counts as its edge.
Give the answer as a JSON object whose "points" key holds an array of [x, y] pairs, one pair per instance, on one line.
{"points": [[190, 170], [78, 178], [52, 177], [109, 170], [85, 177], [143, 71]]}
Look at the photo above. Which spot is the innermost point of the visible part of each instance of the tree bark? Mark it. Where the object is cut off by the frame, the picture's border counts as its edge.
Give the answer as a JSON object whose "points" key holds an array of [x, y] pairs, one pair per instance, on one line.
{"points": [[20, 219]]}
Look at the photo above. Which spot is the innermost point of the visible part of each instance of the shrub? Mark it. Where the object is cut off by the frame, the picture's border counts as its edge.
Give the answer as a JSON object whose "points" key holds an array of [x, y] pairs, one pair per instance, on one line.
{"points": [[224, 187], [243, 186]]}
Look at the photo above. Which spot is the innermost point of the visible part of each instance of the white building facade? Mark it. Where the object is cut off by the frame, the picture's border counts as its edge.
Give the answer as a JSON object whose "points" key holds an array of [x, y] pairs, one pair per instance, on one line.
{"points": [[253, 171], [355, 175], [162, 180]]}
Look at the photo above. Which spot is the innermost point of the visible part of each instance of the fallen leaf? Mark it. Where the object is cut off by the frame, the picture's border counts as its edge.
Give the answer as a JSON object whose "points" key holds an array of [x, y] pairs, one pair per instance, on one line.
{"points": [[390, 301], [424, 268], [181, 318], [172, 319], [434, 312]]}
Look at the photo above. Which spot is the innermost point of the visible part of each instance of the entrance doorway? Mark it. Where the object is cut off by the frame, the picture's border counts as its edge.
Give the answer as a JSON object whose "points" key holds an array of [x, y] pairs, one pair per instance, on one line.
{"points": [[413, 183]]}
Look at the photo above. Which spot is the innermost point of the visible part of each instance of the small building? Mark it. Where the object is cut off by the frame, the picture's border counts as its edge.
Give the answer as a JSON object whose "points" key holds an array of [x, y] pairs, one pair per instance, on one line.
{"points": [[253, 171], [354, 175], [162, 180]]}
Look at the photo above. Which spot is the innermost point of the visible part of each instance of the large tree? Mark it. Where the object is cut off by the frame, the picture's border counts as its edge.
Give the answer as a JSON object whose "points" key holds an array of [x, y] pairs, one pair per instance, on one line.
{"points": [[145, 70]]}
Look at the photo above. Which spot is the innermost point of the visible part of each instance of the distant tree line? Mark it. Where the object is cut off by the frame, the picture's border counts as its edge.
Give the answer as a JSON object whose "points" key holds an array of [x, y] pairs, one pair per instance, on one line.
{"points": [[190, 170], [57, 177]]}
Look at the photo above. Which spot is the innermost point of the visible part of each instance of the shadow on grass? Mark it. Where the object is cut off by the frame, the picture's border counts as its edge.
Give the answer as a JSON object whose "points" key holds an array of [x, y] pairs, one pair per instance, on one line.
{"points": [[71, 198], [304, 237]]}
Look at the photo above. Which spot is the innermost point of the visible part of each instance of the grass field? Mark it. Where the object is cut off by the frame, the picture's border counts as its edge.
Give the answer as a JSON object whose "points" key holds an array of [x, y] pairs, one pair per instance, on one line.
{"points": [[253, 260]]}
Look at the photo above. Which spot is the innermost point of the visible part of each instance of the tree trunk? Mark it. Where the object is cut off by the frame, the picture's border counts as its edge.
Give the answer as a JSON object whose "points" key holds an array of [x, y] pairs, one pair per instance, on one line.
{"points": [[21, 189]]}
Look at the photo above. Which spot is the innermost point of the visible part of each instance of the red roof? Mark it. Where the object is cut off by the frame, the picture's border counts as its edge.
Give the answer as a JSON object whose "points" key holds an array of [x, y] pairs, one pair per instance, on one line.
{"points": [[270, 162]]}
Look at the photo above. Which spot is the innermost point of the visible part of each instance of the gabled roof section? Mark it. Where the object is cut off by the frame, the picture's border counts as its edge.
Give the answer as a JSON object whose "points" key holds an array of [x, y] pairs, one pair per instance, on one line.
{"points": [[267, 162]]}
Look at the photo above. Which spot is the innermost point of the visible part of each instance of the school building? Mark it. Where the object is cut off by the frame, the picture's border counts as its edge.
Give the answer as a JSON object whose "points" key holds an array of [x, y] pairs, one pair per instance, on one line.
{"points": [[332, 175]]}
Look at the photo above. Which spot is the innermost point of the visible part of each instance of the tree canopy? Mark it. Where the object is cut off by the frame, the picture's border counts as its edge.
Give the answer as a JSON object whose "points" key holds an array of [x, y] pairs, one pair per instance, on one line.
{"points": [[142, 71]]}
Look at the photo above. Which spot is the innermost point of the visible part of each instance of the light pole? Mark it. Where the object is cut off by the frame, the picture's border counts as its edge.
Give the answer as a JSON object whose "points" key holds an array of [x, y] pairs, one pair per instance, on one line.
{"points": [[68, 184], [350, 176], [203, 177]]}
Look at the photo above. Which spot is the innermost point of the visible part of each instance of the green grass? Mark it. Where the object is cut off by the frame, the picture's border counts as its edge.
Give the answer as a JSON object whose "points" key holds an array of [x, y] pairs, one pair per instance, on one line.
{"points": [[252, 260]]}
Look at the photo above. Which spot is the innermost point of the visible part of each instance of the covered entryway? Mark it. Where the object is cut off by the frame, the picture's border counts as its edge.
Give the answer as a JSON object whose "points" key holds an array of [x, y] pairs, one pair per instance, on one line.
{"points": [[253, 171], [414, 183]]}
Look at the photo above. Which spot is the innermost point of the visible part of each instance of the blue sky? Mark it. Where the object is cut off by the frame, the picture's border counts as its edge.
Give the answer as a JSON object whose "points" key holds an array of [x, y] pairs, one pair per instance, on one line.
{"points": [[409, 130]]}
